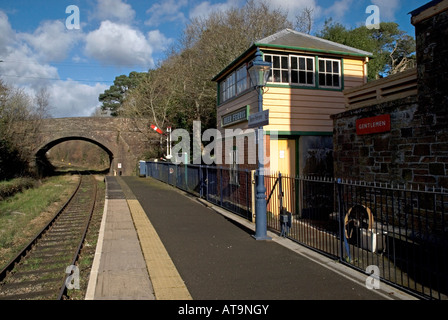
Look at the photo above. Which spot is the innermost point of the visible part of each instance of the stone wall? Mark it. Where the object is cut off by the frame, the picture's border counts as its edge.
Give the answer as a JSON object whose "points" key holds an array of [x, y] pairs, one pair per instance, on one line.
{"points": [[415, 150], [432, 65], [125, 140]]}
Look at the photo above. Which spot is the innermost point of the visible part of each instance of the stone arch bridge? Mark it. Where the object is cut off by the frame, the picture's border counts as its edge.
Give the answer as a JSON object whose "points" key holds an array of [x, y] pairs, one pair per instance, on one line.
{"points": [[125, 140]]}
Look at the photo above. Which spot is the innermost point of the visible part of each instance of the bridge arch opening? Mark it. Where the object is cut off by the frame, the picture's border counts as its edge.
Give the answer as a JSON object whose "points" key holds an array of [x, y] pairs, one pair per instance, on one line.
{"points": [[48, 160]]}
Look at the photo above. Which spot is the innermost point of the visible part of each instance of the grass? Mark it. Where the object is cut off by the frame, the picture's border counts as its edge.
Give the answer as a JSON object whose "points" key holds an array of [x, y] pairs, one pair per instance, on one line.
{"points": [[11, 187], [26, 213]]}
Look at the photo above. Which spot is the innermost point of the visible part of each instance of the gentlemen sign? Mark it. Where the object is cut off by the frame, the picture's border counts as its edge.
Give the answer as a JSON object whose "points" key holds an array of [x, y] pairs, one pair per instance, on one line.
{"points": [[234, 117], [373, 125]]}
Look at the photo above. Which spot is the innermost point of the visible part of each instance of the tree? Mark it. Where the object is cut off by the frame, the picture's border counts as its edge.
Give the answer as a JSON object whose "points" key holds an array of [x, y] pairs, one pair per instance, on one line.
{"points": [[42, 103], [305, 20], [180, 90], [393, 50], [113, 97], [209, 44], [16, 110]]}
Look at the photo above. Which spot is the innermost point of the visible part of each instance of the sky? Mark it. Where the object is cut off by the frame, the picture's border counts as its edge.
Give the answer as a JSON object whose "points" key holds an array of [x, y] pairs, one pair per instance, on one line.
{"points": [[45, 43]]}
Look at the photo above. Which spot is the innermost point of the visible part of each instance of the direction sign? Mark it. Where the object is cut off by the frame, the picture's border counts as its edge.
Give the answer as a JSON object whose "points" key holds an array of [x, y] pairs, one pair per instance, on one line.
{"points": [[259, 119]]}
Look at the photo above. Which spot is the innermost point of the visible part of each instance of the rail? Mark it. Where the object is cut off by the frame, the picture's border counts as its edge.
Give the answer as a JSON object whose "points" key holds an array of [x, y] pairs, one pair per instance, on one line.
{"points": [[393, 87], [37, 272]]}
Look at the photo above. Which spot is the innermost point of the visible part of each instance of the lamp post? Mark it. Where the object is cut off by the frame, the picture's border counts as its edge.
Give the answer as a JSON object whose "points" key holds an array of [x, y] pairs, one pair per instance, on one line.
{"points": [[259, 72]]}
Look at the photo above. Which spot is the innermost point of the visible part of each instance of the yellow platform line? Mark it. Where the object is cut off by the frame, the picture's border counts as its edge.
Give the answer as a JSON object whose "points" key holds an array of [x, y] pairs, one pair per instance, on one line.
{"points": [[166, 280]]}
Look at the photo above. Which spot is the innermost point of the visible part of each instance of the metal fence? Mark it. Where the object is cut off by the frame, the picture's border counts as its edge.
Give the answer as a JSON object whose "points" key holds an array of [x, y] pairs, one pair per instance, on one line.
{"points": [[221, 186], [401, 233]]}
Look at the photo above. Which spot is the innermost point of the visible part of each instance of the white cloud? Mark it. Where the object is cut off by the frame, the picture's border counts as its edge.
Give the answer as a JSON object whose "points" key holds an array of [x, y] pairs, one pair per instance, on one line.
{"points": [[52, 41], [6, 33], [20, 64], [387, 8], [293, 7], [339, 9], [114, 10], [158, 41], [119, 44], [73, 99], [166, 11], [24, 66], [205, 8]]}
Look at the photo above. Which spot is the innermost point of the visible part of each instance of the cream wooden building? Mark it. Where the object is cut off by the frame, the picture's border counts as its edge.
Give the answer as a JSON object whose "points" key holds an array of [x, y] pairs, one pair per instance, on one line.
{"points": [[306, 86]]}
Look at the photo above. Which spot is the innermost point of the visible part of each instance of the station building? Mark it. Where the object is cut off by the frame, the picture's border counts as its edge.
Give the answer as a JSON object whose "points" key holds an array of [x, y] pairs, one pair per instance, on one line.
{"points": [[305, 88]]}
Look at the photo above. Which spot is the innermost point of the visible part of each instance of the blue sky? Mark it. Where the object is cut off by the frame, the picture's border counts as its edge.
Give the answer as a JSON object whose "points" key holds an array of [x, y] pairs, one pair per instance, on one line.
{"points": [[119, 36]]}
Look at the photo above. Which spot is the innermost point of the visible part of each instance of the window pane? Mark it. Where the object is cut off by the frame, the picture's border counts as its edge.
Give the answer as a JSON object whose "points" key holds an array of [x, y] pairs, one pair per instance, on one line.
{"points": [[302, 77], [310, 78], [329, 80], [302, 64], [321, 79], [321, 65], [309, 63], [276, 63], [294, 63], [336, 80], [285, 63], [277, 76], [335, 67], [285, 76], [267, 58], [294, 76], [328, 66]]}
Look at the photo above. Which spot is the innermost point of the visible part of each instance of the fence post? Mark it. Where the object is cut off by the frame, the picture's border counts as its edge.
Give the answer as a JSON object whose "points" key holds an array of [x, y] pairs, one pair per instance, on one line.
{"points": [[342, 239], [206, 179], [252, 186], [201, 182], [220, 189], [280, 191], [247, 192]]}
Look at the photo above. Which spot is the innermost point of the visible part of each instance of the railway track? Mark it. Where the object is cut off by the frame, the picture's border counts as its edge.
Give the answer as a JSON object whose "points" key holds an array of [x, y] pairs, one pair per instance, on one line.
{"points": [[39, 270]]}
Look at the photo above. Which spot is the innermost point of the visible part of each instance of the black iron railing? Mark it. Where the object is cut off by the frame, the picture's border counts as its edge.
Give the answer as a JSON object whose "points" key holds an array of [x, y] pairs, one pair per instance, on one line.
{"points": [[400, 233]]}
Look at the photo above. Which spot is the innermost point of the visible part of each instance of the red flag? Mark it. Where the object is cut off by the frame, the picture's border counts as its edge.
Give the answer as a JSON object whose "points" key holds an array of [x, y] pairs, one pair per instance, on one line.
{"points": [[156, 129]]}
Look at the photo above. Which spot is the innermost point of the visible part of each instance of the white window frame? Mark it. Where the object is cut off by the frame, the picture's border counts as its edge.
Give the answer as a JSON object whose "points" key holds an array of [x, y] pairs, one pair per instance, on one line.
{"points": [[298, 70], [330, 73], [279, 69], [234, 84], [241, 80]]}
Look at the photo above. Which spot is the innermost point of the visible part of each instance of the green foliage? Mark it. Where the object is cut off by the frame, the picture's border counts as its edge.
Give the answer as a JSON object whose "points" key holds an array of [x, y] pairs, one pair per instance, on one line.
{"points": [[393, 50], [19, 120], [11, 164], [180, 90], [113, 97], [10, 188]]}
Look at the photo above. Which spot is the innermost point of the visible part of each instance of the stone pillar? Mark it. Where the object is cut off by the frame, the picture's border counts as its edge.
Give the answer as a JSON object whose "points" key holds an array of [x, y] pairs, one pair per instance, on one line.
{"points": [[431, 33]]}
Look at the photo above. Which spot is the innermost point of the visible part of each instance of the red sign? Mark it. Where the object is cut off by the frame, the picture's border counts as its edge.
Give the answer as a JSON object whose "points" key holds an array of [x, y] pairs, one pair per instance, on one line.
{"points": [[373, 125]]}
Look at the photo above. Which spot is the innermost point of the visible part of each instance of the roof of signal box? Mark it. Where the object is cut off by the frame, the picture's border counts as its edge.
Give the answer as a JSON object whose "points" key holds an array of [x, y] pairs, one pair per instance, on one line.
{"points": [[288, 39]]}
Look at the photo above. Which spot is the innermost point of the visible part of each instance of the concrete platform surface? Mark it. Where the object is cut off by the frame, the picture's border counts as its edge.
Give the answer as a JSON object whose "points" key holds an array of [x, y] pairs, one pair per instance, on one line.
{"points": [[159, 243]]}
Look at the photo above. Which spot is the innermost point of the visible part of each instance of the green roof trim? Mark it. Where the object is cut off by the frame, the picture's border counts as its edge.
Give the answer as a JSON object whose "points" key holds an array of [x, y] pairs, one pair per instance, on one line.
{"points": [[339, 53]]}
